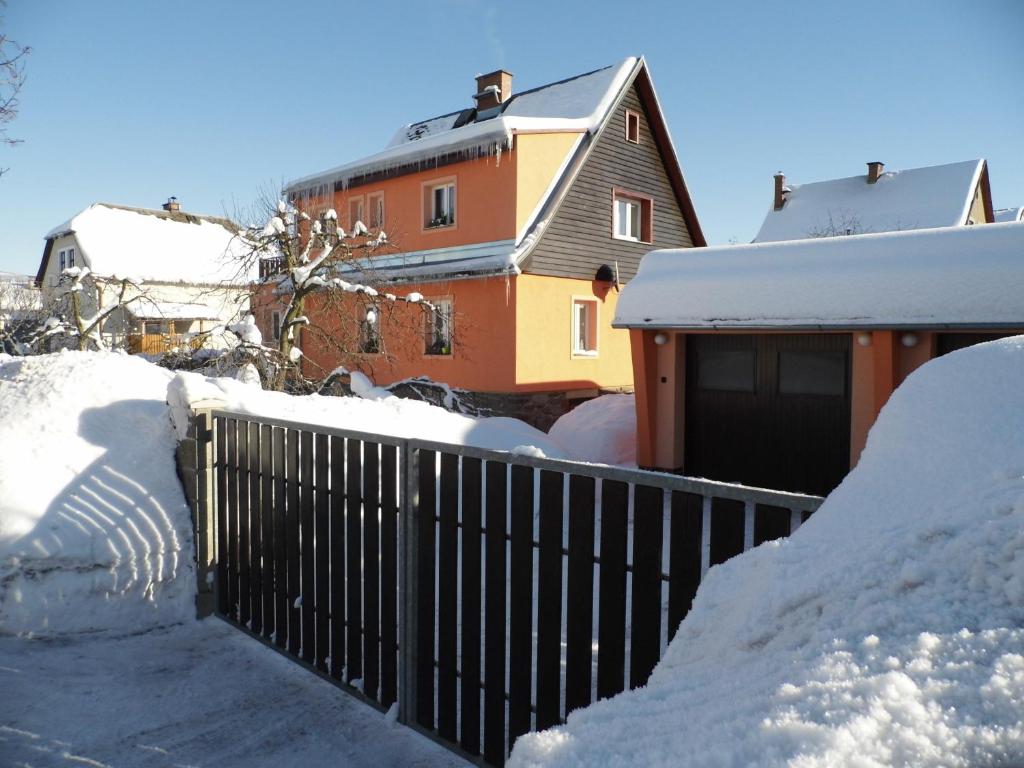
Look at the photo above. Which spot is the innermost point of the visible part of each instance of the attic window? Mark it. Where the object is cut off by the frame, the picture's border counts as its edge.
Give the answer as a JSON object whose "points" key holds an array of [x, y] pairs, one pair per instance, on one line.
{"points": [[632, 127]]}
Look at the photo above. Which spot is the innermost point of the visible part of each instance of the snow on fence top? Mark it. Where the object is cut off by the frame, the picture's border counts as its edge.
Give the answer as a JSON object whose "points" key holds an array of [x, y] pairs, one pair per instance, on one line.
{"points": [[953, 276], [157, 246], [577, 104], [917, 198]]}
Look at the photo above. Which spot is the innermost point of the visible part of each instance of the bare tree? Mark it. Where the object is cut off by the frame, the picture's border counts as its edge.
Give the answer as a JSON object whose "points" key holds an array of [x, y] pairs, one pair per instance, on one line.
{"points": [[21, 312], [84, 303], [838, 224], [12, 78]]}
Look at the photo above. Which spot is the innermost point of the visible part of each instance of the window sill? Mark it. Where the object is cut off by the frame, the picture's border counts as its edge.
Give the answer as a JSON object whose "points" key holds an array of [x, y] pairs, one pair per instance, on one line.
{"points": [[586, 354], [632, 240]]}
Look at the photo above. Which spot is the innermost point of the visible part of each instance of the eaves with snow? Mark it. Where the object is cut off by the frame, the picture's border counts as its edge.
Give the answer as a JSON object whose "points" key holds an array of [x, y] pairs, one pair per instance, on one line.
{"points": [[916, 198], [154, 246], [951, 277]]}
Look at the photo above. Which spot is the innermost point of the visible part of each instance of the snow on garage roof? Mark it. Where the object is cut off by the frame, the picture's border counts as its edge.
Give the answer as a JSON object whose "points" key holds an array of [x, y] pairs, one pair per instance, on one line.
{"points": [[953, 276], [156, 246], [577, 104], [917, 198]]}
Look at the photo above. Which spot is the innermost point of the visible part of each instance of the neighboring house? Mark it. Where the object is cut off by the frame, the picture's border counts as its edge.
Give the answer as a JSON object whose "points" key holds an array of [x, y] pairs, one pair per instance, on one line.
{"points": [[880, 201], [519, 219], [1003, 215], [189, 268], [21, 309], [767, 363]]}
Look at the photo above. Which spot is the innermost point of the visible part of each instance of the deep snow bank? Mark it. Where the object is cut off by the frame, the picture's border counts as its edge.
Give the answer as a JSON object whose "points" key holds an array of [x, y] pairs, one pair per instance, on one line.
{"points": [[94, 530], [889, 630], [601, 431]]}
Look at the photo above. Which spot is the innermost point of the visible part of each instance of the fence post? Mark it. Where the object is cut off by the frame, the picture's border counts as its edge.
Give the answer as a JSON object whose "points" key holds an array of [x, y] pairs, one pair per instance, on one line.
{"points": [[201, 437], [408, 588]]}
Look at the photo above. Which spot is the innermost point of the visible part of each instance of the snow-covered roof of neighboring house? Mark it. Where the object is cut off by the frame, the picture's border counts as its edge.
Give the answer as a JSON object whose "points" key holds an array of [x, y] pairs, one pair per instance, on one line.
{"points": [[953, 276], [1003, 215], [167, 310], [916, 198], [578, 104], [154, 245]]}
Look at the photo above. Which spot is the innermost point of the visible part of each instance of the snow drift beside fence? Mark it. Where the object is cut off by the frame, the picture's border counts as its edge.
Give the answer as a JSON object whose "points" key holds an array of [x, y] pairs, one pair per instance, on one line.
{"points": [[889, 630]]}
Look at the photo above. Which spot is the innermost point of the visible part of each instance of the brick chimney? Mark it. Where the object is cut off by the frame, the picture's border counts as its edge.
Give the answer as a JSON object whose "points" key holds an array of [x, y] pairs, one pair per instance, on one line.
{"points": [[493, 89], [875, 169], [780, 190], [172, 205]]}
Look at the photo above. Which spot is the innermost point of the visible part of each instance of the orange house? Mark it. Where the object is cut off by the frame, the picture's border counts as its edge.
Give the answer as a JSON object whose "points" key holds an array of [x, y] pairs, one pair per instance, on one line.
{"points": [[768, 363], [519, 220]]}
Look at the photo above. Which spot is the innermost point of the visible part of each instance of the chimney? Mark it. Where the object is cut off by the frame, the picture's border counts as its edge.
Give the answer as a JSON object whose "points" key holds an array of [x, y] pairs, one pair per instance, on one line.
{"points": [[172, 204], [493, 89], [780, 190], [875, 169]]}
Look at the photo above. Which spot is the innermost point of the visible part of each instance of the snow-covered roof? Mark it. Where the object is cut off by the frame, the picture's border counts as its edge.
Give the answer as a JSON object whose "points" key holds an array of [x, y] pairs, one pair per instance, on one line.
{"points": [[156, 246], [577, 104], [498, 257], [167, 310], [1002, 215], [917, 198], [954, 276]]}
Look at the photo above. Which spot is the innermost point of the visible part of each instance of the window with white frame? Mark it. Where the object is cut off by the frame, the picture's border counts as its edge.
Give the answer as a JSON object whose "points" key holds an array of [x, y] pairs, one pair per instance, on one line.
{"points": [[584, 327], [369, 331], [439, 205], [632, 217], [438, 331], [355, 212], [63, 260], [632, 127], [71, 257]]}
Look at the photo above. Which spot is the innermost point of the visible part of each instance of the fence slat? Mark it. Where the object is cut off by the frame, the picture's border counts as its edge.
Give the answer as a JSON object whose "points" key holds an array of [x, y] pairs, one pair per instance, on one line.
{"points": [[292, 532], [337, 556], [371, 569], [322, 531], [280, 539], [685, 531], [447, 597], [579, 628], [648, 532], [549, 600], [354, 540], [520, 614], [232, 518], [244, 590], [770, 523], [307, 538], [424, 655], [388, 574], [494, 613], [255, 530], [611, 621], [727, 520], [267, 532], [223, 531], [471, 580]]}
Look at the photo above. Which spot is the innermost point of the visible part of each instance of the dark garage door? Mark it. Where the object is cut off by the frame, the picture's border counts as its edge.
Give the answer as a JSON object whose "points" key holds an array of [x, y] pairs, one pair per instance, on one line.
{"points": [[769, 410]]}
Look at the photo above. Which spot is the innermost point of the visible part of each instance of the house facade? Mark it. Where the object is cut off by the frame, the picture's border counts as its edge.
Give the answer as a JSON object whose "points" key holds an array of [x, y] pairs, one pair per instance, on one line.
{"points": [[767, 363], [519, 220], [189, 271]]}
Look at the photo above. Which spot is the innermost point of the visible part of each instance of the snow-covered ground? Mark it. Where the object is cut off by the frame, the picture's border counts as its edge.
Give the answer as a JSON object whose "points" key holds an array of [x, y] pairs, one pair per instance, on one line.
{"points": [[889, 630]]}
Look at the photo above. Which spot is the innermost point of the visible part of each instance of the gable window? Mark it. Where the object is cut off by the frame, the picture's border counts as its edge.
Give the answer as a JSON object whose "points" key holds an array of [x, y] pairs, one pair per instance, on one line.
{"points": [[71, 257], [375, 202], [632, 217], [369, 331], [584, 327], [63, 260], [632, 127], [438, 331], [439, 204], [355, 212]]}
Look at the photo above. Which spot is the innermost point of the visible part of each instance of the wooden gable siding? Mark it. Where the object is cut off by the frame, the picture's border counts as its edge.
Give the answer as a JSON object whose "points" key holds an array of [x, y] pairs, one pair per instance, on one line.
{"points": [[579, 239]]}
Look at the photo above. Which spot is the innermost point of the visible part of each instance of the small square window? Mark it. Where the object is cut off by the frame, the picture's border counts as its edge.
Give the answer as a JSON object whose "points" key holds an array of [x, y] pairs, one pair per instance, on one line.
{"points": [[632, 127], [632, 217], [438, 331], [584, 327]]}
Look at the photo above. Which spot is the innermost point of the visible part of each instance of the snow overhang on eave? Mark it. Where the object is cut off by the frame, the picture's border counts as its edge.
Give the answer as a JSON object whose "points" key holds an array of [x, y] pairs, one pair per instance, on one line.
{"points": [[846, 327]]}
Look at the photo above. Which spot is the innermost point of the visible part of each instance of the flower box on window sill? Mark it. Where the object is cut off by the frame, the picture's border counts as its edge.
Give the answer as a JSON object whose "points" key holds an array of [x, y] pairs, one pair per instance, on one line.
{"points": [[440, 221]]}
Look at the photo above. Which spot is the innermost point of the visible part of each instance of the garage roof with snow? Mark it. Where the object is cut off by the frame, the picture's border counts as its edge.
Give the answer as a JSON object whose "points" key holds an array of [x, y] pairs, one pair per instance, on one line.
{"points": [[933, 278]]}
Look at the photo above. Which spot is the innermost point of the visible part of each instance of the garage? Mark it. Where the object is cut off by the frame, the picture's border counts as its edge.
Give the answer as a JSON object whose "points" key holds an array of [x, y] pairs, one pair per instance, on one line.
{"points": [[770, 410]]}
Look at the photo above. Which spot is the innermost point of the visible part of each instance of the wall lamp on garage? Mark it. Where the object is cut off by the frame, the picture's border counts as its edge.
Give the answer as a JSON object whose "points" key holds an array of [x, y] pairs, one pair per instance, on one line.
{"points": [[864, 339], [909, 340], [660, 338]]}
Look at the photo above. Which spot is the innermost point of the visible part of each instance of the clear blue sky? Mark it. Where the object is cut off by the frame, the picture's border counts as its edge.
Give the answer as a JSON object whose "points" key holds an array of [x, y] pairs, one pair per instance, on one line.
{"points": [[132, 101]]}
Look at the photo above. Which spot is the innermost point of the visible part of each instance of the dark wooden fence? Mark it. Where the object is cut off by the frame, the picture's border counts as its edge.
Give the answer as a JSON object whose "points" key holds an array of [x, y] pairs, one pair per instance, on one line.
{"points": [[490, 594]]}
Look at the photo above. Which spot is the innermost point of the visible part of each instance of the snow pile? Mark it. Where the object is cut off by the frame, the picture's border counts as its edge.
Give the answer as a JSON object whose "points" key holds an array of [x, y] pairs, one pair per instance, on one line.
{"points": [[601, 431], [889, 630], [377, 411], [924, 277], [198, 251], [917, 198], [94, 530]]}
